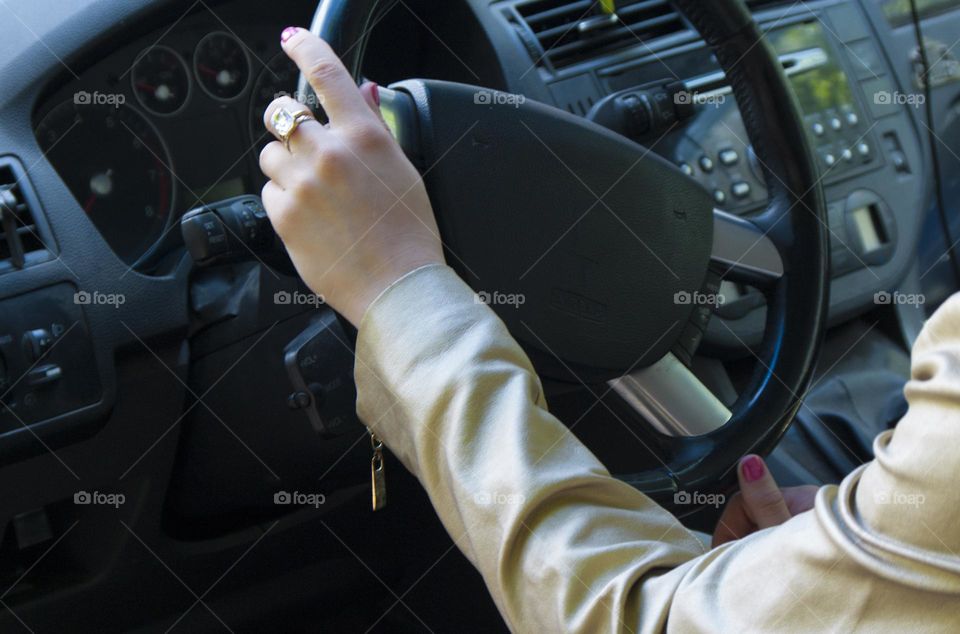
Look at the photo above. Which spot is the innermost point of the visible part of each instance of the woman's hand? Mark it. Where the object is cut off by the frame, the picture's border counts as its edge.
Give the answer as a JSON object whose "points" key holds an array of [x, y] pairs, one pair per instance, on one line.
{"points": [[350, 208], [760, 502]]}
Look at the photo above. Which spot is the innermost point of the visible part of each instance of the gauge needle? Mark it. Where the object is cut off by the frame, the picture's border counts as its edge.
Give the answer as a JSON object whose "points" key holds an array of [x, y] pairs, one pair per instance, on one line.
{"points": [[222, 77], [100, 185], [225, 78], [162, 92]]}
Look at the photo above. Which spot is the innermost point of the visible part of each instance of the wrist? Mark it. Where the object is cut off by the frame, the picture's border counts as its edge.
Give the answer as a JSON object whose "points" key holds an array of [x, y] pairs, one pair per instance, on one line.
{"points": [[357, 301]]}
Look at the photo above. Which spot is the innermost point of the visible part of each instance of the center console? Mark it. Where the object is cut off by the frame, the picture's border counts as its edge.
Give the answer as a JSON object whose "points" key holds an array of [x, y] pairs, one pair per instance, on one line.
{"points": [[842, 115]]}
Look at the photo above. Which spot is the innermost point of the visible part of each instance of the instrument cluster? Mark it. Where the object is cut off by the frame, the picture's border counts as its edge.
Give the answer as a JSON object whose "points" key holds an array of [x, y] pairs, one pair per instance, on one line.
{"points": [[162, 126]]}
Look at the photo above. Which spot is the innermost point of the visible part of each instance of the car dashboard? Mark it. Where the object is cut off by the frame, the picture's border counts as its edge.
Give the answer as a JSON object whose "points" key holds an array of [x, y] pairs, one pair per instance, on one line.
{"points": [[172, 120]]}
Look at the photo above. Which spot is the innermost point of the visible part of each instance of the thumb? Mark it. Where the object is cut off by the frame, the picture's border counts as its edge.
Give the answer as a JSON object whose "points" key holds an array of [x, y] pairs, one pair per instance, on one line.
{"points": [[761, 495]]}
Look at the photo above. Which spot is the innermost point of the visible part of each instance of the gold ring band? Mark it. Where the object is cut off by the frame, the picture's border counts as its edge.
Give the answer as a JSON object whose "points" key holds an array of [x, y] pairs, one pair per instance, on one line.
{"points": [[285, 123]]}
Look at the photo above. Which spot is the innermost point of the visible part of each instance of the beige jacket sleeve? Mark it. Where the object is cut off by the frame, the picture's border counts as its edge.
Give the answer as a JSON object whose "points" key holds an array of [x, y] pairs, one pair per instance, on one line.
{"points": [[564, 547]]}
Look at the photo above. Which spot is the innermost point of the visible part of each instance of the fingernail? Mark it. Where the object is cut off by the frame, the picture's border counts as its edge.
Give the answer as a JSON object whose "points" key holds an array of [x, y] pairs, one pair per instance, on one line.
{"points": [[288, 32], [753, 468], [375, 91]]}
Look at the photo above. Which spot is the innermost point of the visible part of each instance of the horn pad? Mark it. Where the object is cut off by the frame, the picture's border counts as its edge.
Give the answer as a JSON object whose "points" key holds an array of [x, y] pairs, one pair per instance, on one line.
{"points": [[579, 238]]}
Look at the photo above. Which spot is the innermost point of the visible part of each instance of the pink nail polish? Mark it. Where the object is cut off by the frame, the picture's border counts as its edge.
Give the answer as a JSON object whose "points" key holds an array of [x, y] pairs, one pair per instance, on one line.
{"points": [[375, 91], [288, 32], [753, 468]]}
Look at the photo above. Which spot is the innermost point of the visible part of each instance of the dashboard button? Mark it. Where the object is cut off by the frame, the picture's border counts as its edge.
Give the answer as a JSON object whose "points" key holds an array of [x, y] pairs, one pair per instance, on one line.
{"points": [[706, 163], [847, 155], [719, 197], [299, 400], [829, 159], [729, 157], [852, 119], [836, 123], [740, 189], [863, 149], [204, 235], [41, 375], [818, 129], [37, 342], [900, 162], [686, 169]]}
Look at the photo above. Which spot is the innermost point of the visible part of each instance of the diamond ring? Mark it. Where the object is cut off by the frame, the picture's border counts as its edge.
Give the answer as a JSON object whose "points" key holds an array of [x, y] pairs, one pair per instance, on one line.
{"points": [[285, 123]]}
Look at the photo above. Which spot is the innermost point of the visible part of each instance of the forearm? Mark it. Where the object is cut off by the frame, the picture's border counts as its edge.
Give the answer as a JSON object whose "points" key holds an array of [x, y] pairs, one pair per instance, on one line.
{"points": [[559, 542]]}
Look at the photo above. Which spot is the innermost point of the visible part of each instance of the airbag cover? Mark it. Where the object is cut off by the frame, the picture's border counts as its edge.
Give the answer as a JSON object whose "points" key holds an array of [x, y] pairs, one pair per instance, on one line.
{"points": [[583, 241]]}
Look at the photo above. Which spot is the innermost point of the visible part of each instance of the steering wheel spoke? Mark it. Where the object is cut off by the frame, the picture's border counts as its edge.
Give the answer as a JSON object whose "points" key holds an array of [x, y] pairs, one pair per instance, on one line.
{"points": [[743, 252], [673, 400]]}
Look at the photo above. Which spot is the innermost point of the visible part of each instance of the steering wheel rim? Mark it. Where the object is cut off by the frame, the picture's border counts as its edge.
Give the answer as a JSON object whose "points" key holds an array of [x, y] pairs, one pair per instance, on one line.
{"points": [[795, 220]]}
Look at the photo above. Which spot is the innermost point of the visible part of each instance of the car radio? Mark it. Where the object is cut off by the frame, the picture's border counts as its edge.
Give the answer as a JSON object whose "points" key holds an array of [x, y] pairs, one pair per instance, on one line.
{"points": [[715, 149]]}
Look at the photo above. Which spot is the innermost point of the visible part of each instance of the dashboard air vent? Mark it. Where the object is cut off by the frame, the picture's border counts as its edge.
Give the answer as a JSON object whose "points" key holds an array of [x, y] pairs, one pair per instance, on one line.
{"points": [[20, 242], [570, 32]]}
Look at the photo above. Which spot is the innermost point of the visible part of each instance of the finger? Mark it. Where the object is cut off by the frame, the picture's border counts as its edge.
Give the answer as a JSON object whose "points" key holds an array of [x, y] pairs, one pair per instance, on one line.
{"points": [[323, 69], [370, 92], [273, 198], [761, 495], [275, 162], [734, 523], [800, 499], [308, 133]]}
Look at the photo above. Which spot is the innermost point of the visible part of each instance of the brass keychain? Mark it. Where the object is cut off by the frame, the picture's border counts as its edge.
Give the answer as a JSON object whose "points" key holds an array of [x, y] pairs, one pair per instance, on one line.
{"points": [[378, 476]]}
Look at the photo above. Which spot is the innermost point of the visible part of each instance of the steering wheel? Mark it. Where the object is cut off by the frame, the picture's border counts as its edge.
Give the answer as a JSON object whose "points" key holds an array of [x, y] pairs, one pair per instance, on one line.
{"points": [[601, 253]]}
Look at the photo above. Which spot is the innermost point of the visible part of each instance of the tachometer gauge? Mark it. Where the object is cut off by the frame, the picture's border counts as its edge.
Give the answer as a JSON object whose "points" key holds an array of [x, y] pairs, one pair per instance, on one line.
{"points": [[278, 77], [116, 165], [161, 80], [222, 66]]}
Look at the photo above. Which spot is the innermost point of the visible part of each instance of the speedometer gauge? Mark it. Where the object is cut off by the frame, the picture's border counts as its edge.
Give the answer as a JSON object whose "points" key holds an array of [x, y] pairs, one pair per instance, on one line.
{"points": [[222, 66], [161, 80], [117, 167]]}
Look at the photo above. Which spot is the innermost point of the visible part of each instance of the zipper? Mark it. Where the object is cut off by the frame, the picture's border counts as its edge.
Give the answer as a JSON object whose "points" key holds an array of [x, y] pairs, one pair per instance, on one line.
{"points": [[378, 475]]}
